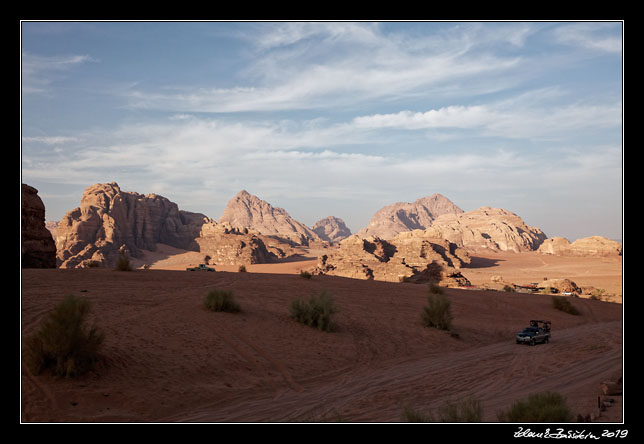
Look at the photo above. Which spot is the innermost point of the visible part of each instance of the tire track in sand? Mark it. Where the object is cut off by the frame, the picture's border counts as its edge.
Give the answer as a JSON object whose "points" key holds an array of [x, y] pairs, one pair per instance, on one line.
{"points": [[262, 361]]}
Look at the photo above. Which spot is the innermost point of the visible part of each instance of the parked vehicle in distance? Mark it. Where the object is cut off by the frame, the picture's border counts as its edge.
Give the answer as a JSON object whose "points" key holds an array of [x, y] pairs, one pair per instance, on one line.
{"points": [[538, 331], [201, 267]]}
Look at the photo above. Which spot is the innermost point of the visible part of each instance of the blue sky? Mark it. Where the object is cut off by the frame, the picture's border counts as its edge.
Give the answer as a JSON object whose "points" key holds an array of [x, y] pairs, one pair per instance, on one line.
{"points": [[331, 118]]}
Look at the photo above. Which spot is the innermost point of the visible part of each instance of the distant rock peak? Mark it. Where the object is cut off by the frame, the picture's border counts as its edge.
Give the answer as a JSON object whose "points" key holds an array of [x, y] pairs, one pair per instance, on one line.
{"points": [[247, 211], [406, 216]]}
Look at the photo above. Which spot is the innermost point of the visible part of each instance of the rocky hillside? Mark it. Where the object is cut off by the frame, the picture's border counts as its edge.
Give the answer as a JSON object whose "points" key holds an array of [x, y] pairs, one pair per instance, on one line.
{"points": [[490, 228], [408, 257], [588, 246], [404, 216], [110, 221], [245, 211], [37, 245], [331, 229]]}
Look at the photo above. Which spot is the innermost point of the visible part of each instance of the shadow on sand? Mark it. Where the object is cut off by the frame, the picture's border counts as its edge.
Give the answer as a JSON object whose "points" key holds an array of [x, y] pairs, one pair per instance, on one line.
{"points": [[483, 262]]}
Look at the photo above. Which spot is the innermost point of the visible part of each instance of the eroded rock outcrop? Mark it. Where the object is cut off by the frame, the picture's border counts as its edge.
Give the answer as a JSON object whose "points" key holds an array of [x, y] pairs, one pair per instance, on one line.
{"points": [[331, 229], [37, 244], [490, 228], [588, 246], [409, 257], [245, 211], [405, 216], [110, 220]]}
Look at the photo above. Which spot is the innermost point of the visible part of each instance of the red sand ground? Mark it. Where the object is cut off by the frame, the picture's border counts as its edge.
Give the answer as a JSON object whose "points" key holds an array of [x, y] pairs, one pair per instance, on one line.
{"points": [[168, 359]]}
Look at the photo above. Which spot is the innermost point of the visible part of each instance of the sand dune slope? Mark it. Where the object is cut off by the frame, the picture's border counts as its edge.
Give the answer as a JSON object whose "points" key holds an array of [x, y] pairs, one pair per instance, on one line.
{"points": [[167, 359]]}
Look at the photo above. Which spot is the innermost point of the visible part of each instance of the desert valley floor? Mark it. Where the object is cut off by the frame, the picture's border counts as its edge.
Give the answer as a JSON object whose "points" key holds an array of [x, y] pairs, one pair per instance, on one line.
{"points": [[167, 359]]}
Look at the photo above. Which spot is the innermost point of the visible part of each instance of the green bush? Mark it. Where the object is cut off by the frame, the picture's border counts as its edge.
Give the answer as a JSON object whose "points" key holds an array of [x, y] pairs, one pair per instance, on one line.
{"points": [[435, 288], [123, 263], [316, 312], [242, 269], [437, 313], [305, 274], [563, 303], [63, 342], [539, 407], [221, 300], [467, 410]]}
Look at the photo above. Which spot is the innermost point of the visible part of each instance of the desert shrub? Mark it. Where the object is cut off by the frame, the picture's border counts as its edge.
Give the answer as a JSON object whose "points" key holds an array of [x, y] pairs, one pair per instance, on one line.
{"points": [[92, 264], [410, 414], [316, 312], [242, 269], [466, 410], [597, 294], [539, 407], [221, 300], [305, 274], [123, 263], [562, 303], [435, 288], [508, 288], [438, 312], [63, 342]]}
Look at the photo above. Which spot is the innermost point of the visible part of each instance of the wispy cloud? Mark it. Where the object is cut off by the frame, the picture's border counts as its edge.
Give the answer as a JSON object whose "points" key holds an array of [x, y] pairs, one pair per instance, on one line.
{"points": [[39, 71], [360, 62], [518, 117], [596, 36], [50, 140]]}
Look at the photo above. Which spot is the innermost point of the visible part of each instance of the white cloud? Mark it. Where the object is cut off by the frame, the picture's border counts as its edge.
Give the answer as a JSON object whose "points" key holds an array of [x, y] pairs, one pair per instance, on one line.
{"points": [[349, 63], [605, 37], [38, 72], [50, 140], [520, 117]]}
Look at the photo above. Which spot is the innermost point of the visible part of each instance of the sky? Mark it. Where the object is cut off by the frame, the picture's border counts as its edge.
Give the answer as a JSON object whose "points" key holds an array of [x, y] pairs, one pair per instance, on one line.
{"points": [[331, 118]]}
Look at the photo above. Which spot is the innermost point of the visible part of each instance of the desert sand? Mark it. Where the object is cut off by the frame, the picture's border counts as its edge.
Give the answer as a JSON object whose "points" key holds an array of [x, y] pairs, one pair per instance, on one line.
{"points": [[169, 360]]}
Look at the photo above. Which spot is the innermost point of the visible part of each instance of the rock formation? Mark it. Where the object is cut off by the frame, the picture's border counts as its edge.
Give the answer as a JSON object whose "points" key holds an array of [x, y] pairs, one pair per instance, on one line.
{"points": [[588, 246], [491, 228], [403, 216], [110, 221], [37, 244], [331, 229], [561, 285], [245, 211], [229, 246], [409, 257]]}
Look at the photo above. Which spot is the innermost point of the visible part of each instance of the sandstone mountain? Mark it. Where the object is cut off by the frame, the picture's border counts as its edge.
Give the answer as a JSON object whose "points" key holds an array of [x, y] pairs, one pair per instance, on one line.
{"points": [[588, 246], [331, 229], [490, 228], [37, 244], [404, 216], [409, 257], [110, 221], [246, 211]]}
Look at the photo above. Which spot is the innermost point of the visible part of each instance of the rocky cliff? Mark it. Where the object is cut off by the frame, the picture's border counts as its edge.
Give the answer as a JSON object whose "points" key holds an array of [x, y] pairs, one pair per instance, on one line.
{"points": [[490, 228], [404, 216], [408, 257], [331, 229], [588, 246], [110, 220], [245, 211], [37, 244]]}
